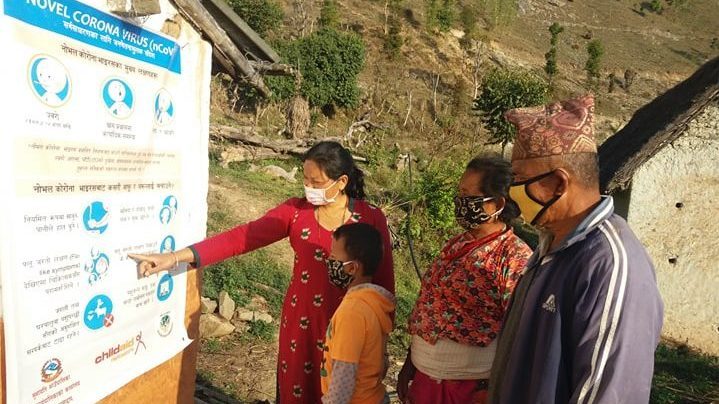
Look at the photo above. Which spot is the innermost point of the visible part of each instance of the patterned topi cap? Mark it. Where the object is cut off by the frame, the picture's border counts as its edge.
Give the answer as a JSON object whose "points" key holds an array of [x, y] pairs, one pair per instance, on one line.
{"points": [[563, 127]]}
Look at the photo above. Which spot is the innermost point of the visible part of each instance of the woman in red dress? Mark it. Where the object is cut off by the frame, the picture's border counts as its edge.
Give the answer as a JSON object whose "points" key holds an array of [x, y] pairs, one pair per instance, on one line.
{"points": [[334, 195]]}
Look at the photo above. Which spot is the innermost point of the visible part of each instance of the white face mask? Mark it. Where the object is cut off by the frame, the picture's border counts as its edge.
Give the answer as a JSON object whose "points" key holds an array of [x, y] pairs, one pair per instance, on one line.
{"points": [[318, 197]]}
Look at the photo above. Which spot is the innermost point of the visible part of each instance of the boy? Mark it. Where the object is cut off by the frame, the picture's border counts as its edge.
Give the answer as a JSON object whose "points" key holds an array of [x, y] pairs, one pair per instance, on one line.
{"points": [[354, 362]]}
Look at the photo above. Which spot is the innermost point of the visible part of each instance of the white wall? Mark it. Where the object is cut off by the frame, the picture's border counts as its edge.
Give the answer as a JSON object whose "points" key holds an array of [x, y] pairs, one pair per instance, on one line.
{"points": [[686, 172]]}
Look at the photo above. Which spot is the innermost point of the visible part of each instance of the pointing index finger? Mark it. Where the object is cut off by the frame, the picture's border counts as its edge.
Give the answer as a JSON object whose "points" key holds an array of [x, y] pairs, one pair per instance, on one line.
{"points": [[139, 257]]}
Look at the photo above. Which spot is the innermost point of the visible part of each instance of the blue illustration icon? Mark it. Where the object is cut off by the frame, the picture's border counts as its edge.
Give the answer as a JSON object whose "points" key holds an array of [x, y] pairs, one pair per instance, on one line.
{"points": [[165, 215], [164, 108], [171, 202], [164, 287], [96, 218], [168, 244], [49, 80], [168, 210], [118, 98], [98, 313], [97, 266]]}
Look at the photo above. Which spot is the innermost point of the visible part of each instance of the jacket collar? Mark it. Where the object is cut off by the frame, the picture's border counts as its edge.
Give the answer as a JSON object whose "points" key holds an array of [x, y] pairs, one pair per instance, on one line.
{"points": [[602, 212]]}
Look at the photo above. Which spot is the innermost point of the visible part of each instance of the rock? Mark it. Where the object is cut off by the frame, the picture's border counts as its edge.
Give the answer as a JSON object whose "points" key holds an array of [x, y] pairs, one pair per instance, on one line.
{"points": [[227, 305], [241, 327], [207, 305], [401, 163], [457, 33], [557, 3], [213, 326], [280, 172], [258, 303], [250, 315]]}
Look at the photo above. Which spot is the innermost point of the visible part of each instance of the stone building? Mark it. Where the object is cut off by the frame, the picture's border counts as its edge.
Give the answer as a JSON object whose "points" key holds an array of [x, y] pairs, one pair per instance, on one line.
{"points": [[663, 170]]}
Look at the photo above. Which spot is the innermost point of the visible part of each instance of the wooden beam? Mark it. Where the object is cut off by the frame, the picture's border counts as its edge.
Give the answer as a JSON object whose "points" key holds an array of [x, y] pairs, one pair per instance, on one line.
{"points": [[241, 33], [197, 15]]}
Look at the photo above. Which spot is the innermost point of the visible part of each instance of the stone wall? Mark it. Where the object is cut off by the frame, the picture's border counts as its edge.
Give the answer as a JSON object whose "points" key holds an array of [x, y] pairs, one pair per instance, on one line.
{"points": [[674, 209]]}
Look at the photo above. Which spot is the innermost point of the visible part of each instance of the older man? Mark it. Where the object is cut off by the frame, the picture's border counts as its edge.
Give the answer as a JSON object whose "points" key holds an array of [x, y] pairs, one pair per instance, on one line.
{"points": [[586, 316]]}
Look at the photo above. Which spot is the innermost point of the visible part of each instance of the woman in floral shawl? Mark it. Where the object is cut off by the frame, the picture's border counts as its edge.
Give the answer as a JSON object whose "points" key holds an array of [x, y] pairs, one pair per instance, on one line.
{"points": [[465, 293]]}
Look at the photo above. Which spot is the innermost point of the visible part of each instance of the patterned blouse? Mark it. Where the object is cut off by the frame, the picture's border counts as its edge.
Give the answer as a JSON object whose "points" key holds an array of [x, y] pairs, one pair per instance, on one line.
{"points": [[465, 293]]}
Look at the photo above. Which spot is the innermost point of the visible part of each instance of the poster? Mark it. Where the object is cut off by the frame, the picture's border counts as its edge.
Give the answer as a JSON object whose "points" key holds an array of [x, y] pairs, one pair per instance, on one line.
{"points": [[103, 152]]}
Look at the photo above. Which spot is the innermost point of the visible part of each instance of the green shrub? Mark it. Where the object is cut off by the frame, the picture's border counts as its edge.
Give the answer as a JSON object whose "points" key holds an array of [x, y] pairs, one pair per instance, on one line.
{"points": [[502, 90], [551, 57], [431, 10], [329, 16], [595, 52], [469, 19], [440, 15], [330, 62], [393, 41], [656, 6], [446, 15], [262, 15], [498, 13]]}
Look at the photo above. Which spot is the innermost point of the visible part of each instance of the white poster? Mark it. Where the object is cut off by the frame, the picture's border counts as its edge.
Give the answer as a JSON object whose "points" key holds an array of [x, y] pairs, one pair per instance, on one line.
{"points": [[103, 152]]}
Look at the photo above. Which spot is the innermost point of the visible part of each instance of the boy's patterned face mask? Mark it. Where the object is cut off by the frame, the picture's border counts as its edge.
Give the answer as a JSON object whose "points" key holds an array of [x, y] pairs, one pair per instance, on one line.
{"points": [[469, 211], [337, 274]]}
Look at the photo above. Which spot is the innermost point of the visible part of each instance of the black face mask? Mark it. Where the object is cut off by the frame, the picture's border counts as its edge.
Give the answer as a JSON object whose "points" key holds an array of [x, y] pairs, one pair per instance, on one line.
{"points": [[469, 211], [337, 274]]}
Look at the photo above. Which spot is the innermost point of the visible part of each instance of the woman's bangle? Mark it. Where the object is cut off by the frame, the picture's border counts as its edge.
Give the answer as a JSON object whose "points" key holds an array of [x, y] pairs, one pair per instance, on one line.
{"points": [[177, 261]]}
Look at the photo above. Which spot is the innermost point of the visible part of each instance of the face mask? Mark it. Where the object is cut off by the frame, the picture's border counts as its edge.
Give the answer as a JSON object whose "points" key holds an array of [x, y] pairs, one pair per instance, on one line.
{"points": [[469, 212], [337, 274], [317, 196], [532, 208]]}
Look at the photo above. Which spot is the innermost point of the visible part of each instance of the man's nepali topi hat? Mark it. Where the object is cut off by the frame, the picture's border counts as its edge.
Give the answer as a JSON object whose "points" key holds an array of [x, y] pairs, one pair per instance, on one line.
{"points": [[559, 128]]}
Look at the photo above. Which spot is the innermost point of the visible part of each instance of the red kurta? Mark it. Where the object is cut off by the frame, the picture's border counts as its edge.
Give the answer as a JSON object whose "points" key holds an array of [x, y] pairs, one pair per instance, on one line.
{"points": [[310, 300]]}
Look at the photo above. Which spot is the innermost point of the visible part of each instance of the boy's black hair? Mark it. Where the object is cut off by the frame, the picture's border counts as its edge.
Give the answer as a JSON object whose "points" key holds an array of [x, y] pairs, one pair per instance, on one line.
{"points": [[363, 243]]}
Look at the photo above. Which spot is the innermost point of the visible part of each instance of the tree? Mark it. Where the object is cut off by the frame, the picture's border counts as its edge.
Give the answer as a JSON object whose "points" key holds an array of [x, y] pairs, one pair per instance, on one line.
{"points": [[502, 90], [329, 61], [595, 52], [262, 16], [551, 57], [329, 16], [554, 30]]}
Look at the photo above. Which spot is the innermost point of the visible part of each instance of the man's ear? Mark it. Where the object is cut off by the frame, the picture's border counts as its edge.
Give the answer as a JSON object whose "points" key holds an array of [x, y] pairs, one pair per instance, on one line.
{"points": [[562, 181]]}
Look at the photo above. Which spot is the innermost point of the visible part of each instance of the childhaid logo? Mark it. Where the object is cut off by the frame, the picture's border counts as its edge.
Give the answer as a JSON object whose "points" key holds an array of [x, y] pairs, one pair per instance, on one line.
{"points": [[121, 349]]}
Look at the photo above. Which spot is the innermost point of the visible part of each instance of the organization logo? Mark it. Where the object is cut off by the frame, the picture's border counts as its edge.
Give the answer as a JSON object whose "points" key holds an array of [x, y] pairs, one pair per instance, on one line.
{"points": [[51, 370], [550, 305], [121, 349], [164, 326]]}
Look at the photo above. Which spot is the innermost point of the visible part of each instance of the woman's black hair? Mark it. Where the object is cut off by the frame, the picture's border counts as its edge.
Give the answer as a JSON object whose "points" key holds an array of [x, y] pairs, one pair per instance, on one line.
{"points": [[336, 161], [496, 178]]}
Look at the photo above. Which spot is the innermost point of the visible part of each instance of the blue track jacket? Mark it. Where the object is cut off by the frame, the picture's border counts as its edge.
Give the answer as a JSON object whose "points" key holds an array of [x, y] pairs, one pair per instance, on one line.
{"points": [[584, 320]]}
